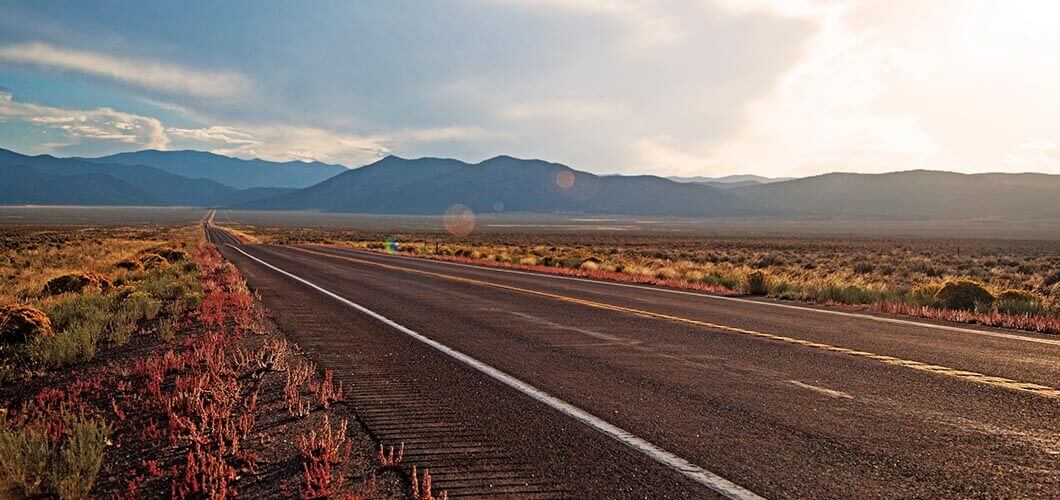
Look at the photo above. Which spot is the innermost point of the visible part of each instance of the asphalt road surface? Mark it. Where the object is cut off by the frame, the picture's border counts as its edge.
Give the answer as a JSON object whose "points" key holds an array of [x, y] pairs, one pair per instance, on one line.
{"points": [[538, 386]]}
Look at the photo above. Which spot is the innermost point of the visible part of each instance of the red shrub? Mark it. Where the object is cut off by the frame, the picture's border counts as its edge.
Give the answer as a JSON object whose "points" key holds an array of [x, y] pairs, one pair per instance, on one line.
{"points": [[388, 459], [320, 451]]}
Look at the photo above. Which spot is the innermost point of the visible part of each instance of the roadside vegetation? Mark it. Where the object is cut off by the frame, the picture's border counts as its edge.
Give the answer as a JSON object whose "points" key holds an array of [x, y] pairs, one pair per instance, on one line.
{"points": [[1011, 284], [136, 363]]}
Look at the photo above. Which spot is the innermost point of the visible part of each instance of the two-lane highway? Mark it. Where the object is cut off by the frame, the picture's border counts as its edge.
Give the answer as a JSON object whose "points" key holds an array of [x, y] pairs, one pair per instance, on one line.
{"points": [[648, 392]]}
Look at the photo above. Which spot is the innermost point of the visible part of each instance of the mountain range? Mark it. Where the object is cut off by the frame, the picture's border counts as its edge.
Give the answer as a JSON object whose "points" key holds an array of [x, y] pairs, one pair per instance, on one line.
{"points": [[47, 180], [503, 183], [506, 184], [234, 172], [731, 181]]}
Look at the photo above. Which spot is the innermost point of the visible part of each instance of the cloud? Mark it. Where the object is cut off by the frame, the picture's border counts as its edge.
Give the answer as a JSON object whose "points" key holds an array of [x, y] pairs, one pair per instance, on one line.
{"points": [[650, 24], [287, 142], [661, 153], [785, 8], [440, 134], [98, 124], [282, 143], [1038, 155], [567, 110], [217, 134], [152, 75], [826, 113]]}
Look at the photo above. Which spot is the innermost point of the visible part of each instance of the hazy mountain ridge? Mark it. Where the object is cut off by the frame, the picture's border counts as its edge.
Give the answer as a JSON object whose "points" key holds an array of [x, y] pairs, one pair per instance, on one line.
{"points": [[21, 185], [234, 172], [506, 184], [503, 183], [430, 185], [910, 194], [111, 184]]}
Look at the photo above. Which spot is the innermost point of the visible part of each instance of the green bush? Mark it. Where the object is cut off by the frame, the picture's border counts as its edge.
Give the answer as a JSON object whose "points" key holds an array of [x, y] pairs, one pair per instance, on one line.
{"points": [[166, 329], [964, 294], [1020, 302], [24, 457], [572, 262], [87, 308], [925, 295], [169, 285], [73, 344], [757, 283], [140, 305], [73, 471], [715, 278], [32, 463], [850, 294], [1018, 296]]}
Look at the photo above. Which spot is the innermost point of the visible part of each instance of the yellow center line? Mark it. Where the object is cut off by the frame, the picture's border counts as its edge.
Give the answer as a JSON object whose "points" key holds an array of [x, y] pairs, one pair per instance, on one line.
{"points": [[991, 380]]}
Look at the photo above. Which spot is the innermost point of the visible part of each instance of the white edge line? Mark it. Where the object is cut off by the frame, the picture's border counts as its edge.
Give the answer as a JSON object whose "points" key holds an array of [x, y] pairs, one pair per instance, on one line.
{"points": [[722, 297], [698, 474]]}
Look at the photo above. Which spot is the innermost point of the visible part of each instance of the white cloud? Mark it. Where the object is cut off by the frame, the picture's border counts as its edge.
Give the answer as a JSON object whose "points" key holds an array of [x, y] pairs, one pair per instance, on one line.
{"points": [[441, 134], [147, 74], [662, 154], [100, 124], [216, 134], [282, 143], [650, 23], [566, 110], [288, 142], [825, 114], [1038, 155], [788, 8]]}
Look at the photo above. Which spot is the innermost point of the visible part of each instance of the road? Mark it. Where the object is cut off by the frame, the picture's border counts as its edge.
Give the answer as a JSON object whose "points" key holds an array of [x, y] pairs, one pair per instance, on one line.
{"points": [[536, 385]]}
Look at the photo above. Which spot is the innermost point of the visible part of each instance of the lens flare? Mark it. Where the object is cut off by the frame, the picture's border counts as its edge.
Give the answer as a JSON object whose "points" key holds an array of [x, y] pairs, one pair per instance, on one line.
{"points": [[498, 206], [459, 220], [392, 244], [565, 179]]}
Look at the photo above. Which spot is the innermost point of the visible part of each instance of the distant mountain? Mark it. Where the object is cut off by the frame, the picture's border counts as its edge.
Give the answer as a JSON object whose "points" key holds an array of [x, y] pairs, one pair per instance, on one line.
{"points": [[503, 183], [232, 172], [431, 185], [21, 185], [910, 194], [731, 181], [123, 184]]}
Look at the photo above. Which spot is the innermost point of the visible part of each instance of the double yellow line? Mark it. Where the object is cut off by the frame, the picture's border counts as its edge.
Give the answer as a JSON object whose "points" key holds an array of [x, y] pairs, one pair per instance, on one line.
{"points": [[991, 380]]}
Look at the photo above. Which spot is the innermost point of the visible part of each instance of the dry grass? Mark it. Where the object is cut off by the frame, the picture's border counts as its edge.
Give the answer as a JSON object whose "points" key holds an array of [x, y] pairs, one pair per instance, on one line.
{"points": [[76, 277], [30, 257]]}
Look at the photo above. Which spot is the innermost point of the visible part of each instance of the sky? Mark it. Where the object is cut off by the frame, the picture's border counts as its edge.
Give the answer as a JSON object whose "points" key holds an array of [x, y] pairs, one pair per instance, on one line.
{"points": [[687, 88]]}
